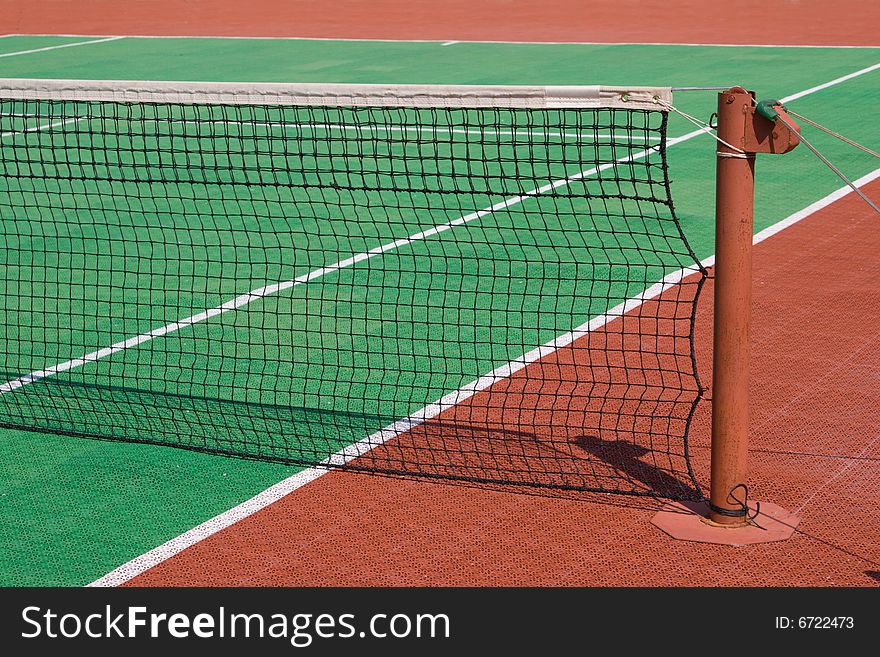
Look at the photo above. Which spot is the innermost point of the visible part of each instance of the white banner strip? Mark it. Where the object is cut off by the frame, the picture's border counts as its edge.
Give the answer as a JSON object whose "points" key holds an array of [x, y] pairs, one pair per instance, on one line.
{"points": [[337, 95]]}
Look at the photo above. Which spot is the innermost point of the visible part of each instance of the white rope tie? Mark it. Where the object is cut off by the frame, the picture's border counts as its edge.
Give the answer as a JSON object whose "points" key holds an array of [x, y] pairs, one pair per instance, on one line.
{"points": [[705, 127]]}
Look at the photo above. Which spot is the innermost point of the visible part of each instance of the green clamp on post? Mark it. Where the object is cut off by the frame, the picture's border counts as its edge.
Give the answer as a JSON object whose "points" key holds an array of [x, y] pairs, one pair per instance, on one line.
{"points": [[767, 109]]}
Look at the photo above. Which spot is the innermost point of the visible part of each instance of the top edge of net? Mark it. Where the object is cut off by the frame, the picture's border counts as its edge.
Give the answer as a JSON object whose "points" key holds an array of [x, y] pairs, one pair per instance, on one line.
{"points": [[338, 95]]}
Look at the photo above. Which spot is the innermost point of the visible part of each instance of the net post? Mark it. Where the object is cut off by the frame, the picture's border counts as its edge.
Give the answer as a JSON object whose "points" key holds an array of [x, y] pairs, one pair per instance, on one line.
{"points": [[745, 128], [734, 221]]}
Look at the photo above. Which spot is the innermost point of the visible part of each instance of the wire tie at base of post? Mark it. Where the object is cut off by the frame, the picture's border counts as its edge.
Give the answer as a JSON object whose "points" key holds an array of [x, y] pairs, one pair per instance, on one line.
{"points": [[730, 513], [743, 510]]}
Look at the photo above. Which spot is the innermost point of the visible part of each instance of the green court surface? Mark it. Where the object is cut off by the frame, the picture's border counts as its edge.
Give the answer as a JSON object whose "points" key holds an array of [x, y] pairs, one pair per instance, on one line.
{"points": [[77, 508]]}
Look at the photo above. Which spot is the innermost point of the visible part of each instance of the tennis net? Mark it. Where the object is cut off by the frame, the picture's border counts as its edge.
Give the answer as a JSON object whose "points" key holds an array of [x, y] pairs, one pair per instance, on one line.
{"points": [[478, 283]]}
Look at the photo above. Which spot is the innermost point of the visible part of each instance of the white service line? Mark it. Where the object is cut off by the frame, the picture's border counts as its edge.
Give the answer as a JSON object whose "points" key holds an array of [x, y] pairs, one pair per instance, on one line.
{"points": [[477, 132], [445, 41], [63, 45], [37, 128], [367, 128], [814, 207], [820, 87], [271, 495]]}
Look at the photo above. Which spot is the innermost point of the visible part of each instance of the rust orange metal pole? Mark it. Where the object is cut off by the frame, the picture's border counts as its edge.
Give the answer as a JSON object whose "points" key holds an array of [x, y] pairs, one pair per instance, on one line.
{"points": [[745, 127], [734, 212]]}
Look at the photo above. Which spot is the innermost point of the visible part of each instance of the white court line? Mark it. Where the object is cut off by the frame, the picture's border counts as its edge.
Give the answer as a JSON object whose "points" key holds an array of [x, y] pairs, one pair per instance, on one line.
{"points": [[812, 90], [423, 130], [64, 45], [283, 488], [366, 128], [465, 41], [37, 128], [449, 43], [814, 207]]}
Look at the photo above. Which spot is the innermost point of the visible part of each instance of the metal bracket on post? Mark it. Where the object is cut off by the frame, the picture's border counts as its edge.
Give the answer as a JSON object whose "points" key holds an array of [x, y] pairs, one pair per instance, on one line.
{"points": [[745, 128], [764, 133]]}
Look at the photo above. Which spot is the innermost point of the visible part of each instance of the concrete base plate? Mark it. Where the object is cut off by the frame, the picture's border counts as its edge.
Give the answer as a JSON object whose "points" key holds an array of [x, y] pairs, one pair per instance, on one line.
{"points": [[688, 521]]}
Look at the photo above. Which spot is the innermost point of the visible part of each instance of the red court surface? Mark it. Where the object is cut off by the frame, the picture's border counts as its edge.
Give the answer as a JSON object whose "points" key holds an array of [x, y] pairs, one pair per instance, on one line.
{"points": [[811, 22], [815, 450]]}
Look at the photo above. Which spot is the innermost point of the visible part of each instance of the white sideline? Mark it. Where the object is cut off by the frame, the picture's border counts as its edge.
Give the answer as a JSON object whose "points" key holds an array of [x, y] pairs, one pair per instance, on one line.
{"points": [[37, 128], [346, 127], [820, 87], [157, 555], [423, 130], [63, 45], [444, 42]]}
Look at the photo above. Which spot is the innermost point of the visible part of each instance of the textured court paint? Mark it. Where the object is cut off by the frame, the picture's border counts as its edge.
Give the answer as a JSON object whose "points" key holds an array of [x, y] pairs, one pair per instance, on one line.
{"points": [[85, 517], [850, 22], [810, 452], [79, 555]]}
